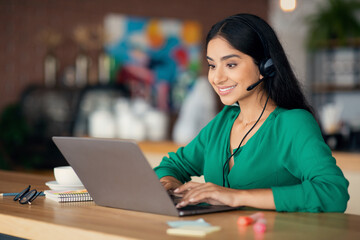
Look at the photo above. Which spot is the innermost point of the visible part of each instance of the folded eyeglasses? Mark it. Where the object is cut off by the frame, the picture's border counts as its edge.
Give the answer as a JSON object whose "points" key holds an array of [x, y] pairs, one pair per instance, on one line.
{"points": [[27, 195]]}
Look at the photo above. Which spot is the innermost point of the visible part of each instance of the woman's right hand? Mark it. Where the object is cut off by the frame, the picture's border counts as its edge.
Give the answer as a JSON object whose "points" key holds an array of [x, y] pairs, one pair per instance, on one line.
{"points": [[170, 183]]}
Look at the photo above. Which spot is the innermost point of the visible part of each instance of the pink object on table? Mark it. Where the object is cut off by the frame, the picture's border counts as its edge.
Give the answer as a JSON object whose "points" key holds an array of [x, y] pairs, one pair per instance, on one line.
{"points": [[260, 225], [247, 220]]}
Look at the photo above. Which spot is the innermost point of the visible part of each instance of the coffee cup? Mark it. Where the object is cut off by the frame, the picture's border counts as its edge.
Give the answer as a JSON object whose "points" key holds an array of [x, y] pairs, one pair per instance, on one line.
{"points": [[65, 175]]}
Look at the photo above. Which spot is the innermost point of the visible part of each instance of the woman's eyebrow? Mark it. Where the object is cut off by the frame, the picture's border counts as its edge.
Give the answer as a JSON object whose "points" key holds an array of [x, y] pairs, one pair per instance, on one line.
{"points": [[209, 58], [225, 57]]}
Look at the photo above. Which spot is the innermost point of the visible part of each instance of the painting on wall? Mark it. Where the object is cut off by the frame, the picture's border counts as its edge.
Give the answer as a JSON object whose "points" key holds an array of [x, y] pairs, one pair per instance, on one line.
{"points": [[157, 59]]}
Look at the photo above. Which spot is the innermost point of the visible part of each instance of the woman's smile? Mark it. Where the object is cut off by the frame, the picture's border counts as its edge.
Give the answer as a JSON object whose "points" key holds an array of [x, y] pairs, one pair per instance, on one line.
{"points": [[226, 89]]}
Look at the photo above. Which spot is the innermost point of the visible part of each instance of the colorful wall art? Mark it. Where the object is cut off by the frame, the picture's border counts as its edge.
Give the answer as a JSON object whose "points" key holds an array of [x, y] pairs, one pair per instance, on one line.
{"points": [[158, 59]]}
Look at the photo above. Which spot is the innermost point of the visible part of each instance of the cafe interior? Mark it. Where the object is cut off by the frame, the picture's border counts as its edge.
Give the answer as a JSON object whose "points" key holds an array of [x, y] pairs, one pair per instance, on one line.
{"points": [[137, 70]]}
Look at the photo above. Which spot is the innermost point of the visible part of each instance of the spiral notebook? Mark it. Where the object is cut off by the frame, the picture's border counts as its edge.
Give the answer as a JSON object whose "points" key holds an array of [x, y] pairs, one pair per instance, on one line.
{"points": [[68, 196]]}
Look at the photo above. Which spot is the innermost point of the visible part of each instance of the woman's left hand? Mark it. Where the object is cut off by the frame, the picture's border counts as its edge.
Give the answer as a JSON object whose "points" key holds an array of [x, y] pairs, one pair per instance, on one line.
{"points": [[213, 194]]}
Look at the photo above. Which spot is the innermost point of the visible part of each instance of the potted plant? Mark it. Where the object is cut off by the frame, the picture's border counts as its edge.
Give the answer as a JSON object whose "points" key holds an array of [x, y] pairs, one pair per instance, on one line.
{"points": [[334, 24], [333, 40]]}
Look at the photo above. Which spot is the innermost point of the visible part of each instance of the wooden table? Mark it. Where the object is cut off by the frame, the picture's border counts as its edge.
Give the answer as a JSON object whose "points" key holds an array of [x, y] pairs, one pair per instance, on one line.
{"points": [[46, 219]]}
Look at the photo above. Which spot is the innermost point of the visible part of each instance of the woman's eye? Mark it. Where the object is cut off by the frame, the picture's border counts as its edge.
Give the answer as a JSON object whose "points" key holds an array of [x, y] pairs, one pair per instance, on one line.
{"points": [[211, 66], [231, 65]]}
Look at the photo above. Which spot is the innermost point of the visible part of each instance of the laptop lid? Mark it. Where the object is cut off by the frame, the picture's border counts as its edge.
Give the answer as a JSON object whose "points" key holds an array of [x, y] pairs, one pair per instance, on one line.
{"points": [[117, 174]]}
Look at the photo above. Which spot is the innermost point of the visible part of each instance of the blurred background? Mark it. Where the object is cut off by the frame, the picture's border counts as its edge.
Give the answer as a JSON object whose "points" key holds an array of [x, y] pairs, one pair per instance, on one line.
{"points": [[136, 69]]}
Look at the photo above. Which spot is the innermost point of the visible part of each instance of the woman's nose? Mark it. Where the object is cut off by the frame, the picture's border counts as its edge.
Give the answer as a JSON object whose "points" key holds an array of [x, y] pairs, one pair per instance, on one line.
{"points": [[219, 76]]}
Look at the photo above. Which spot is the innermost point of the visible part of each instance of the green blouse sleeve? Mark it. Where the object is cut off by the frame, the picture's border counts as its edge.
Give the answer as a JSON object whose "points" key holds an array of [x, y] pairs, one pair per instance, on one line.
{"points": [[323, 186], [187, 161]]}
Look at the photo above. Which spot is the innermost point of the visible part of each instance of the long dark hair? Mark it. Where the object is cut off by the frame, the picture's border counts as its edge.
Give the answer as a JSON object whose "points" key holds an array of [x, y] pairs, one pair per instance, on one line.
{"points": [[253, 36]]}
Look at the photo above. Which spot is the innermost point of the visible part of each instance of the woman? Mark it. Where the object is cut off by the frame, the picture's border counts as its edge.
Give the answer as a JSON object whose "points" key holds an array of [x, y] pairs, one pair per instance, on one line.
{"points": [[264, 149]]}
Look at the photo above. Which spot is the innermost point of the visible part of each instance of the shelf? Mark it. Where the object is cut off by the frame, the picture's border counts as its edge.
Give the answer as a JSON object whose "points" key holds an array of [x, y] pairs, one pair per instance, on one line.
{"points": [[331, 88]]}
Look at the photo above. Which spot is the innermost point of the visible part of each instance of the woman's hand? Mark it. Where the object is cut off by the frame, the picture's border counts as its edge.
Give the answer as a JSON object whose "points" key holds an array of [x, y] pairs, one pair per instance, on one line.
{"points": [[208, 192], [194, 193], [170, 183]]}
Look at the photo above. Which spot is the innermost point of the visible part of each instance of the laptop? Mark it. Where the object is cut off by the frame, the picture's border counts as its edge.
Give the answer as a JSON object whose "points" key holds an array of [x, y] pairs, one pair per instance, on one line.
{"points": [[116, 174]]}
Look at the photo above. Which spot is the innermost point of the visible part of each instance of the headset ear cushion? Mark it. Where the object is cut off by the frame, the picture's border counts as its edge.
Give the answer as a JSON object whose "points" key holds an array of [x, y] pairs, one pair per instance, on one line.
{"points": [[267, 68]]}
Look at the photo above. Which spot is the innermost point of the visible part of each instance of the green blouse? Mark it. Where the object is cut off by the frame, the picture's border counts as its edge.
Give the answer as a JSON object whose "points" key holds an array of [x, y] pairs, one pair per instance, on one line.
{"points": [[286, 154]]}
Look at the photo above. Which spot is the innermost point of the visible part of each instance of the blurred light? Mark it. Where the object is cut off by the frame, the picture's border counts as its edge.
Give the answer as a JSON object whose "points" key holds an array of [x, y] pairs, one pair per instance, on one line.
{"points": [[288, 5]]}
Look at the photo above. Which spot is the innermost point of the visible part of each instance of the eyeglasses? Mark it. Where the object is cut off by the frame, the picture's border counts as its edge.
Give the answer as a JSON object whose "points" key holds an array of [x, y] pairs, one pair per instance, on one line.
{"points": [[27, 195]]}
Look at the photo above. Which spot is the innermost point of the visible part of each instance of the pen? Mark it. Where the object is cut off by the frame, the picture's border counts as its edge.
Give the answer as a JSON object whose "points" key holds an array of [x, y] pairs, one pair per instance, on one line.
{"points": [[14, 194], [247, 220]]}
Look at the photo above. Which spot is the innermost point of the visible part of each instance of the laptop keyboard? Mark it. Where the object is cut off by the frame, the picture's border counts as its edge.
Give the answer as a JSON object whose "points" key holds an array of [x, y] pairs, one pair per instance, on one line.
{"points": [[175, 199], [195, 207]]}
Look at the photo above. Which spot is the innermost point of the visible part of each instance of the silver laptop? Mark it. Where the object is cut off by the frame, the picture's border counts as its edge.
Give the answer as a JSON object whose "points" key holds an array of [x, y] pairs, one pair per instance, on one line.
{"points": [[116, 174]]}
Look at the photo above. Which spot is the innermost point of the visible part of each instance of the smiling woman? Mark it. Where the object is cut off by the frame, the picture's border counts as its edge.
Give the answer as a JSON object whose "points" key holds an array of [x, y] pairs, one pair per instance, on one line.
{"points": [[265, 148], [230, 71]]}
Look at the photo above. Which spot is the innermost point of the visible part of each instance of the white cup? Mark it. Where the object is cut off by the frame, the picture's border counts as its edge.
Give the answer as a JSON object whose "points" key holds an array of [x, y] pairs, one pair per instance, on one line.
{"points": [[66, 175]]}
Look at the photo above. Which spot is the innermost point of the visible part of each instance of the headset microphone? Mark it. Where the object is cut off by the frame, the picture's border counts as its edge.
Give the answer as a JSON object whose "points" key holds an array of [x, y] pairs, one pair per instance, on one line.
{"points": [[252, 86]]}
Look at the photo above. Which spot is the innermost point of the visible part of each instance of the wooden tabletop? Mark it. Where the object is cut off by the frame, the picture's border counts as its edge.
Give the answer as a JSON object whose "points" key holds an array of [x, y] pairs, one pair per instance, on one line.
{"points": [[46, 219], [348, 161]]}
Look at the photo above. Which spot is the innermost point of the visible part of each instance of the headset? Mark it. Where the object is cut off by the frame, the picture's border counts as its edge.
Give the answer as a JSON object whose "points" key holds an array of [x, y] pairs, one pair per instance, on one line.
{"points": [[266, 65], [267, 70]]}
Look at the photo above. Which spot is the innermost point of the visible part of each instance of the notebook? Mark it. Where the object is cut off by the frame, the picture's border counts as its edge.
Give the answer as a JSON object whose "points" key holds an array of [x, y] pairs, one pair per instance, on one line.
{"points": [[68, 196], [117, 174]]}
